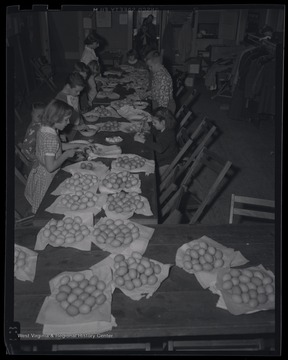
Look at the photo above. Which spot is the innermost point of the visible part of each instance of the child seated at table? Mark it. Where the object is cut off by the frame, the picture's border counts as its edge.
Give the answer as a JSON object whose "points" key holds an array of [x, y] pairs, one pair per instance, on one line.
{"points": [[85, 72], [94, 80], [48, 155], [162, 139], [29, 143], [70, 94], [133, 60], [82, 69]]}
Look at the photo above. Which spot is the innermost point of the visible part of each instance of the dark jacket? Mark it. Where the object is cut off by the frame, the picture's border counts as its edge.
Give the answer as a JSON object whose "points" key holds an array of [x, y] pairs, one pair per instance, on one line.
{"points": [[164, 144]]}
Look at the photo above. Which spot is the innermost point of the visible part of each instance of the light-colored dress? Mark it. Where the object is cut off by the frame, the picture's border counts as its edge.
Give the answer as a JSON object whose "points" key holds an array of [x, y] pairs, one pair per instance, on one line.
{"points": [[39, 179], [88, 55]]}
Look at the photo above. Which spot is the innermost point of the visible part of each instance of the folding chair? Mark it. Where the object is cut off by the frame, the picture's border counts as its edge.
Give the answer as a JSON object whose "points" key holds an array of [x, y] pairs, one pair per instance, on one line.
{"points": [[168, 210], [27, 164], [187, 115], [187, 103], [179, 79], [219, 166], [44, 72], [164, 197], [197, 140], [22, 168], [241, 205]]}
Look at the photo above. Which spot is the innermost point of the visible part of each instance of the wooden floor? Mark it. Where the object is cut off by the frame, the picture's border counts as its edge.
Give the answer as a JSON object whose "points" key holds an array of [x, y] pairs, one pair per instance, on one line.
{"points": [[251, 150]]}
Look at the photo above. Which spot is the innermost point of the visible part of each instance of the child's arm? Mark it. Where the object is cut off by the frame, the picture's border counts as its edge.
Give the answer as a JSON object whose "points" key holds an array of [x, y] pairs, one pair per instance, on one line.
{"points": [[53, 164], [68, 146]]}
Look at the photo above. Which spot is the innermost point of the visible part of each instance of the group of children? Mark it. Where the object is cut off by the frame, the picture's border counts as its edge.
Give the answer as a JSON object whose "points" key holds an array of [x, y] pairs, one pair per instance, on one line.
{"points": [[42, 144]]}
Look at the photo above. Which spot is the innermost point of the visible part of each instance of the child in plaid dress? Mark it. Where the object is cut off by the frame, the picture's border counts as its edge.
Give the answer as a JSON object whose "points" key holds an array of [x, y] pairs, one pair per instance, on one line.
{"points": [[29, 143], [49, 155]]}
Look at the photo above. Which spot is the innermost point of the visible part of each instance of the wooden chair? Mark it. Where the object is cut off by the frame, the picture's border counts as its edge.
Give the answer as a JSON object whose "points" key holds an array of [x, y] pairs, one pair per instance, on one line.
{"points": [[195, 143], [238, 204], [188, 117], [44, 72], [218, 166], [22, 169], [165, 197], [190, 100], [171, 208]]}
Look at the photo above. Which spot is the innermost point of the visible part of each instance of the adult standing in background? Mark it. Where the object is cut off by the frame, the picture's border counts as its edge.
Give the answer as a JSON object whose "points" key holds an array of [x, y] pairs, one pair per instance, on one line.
{"points": [[151, 32], [161, 83], [146, 39]]}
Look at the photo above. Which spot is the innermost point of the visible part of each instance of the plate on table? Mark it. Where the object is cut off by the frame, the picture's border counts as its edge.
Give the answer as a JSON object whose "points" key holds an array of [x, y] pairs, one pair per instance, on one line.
{"points": [[92, 129], [114, 139]]}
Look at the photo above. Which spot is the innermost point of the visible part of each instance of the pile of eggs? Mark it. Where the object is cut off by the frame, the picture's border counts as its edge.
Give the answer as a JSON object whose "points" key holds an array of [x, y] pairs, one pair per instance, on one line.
{"points": [[79, 201], [19, 259], [129, 163], [78, 295], [79, 182], [249, 287], [102, 111], [120, 180], [115, 232], [110, 126], [135, 271], [87, 166], [124, 202], [66, 231], [202, 257]]}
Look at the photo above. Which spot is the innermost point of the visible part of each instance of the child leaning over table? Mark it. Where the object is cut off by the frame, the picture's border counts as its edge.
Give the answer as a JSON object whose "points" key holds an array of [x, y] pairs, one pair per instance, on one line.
{"points": [[162, 139], [74, 85], [49, 156], [94, 80], [29, 142], [85, 72]]}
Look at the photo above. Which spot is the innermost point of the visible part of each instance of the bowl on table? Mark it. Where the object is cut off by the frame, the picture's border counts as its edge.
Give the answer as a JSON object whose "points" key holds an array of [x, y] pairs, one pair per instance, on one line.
{"points": [[141, 105], [91, 117], [90, 131]]}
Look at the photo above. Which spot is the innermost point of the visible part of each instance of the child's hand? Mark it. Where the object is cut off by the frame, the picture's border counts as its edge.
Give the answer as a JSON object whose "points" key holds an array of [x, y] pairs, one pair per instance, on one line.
{"points": [[139, 137], [70, 152]]}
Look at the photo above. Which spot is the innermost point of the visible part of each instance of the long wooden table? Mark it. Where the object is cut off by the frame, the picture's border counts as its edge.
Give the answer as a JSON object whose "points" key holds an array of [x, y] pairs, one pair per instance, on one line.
{"points": [[128, 146], [179, 308]]}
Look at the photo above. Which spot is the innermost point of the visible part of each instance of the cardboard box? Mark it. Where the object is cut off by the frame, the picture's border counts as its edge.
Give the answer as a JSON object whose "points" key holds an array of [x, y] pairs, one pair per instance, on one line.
{"points": [[193, 65]]}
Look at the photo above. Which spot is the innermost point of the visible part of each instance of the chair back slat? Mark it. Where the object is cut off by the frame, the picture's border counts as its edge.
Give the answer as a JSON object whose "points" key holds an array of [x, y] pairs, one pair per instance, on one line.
{"points": [[174, 218], [211, 193], [174, 202], [254, 213], [254, 201], [237, 201], [186, 146]]}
